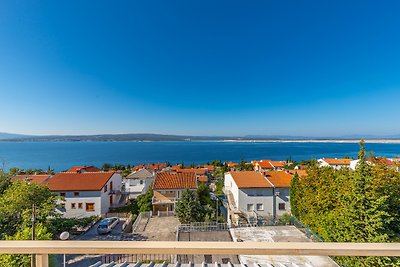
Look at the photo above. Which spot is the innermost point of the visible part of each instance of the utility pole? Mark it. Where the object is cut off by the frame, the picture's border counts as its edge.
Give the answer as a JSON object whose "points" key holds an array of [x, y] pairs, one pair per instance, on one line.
{"points": [[216, 198], [33, 258]]}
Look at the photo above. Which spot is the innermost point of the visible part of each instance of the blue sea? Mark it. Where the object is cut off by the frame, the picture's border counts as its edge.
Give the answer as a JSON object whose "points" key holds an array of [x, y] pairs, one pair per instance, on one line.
{"points": [[62, 155]]}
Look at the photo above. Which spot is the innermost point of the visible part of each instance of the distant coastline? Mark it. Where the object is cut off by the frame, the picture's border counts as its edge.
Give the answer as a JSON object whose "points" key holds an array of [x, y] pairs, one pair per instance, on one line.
{"points": [[350, 141]]}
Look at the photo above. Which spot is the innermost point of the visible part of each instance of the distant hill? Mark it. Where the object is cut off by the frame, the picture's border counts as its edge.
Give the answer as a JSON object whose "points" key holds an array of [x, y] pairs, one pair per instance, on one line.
{"points": [[138, 137], [114, 137], [12, 136]]}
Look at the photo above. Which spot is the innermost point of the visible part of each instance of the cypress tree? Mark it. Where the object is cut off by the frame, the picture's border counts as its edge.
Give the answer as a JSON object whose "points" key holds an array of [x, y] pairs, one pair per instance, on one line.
{"points": [[293, 193]]}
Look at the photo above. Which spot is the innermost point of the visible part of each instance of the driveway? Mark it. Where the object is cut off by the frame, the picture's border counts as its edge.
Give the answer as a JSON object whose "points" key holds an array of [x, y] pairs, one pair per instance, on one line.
{"points": [[75, 260]]}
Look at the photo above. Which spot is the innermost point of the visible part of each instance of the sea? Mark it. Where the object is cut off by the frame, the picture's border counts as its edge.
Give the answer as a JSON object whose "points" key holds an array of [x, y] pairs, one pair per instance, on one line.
{"points": [[62, 155]]}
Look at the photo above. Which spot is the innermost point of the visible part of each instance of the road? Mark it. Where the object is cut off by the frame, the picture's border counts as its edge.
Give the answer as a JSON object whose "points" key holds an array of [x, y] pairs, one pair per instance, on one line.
{"points": [[86, 260]]}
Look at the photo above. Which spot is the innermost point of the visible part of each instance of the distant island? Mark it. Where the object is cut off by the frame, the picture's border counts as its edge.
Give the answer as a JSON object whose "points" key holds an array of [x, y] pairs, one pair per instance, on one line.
{"points": [[149, 137]]}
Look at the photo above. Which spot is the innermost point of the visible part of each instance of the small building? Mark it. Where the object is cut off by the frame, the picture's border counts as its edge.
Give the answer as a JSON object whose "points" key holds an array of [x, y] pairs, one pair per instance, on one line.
{"points": [[281, 182], [138, 182], [250, 191], [168, 187], [84, 169], [86, 193], [263, 165], [31, 178], [335, 163]]}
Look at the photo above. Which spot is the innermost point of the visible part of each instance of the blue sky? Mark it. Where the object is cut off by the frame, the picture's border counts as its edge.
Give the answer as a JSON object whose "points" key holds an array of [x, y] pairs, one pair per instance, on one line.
{"points": [[317, 68]]}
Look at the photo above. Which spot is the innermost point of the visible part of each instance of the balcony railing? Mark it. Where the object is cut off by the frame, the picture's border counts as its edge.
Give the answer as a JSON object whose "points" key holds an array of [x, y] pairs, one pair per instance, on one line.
{"points": [[43, 248]]}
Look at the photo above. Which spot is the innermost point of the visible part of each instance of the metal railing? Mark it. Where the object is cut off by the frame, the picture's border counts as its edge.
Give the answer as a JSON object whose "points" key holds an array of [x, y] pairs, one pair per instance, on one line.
{"points": [[42, 249]]}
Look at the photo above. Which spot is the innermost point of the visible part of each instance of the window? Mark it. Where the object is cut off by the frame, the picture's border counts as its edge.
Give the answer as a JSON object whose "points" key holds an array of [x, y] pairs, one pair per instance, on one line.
{"points": [[250, 207], [282, 206], [260, 207], [76, 194], [80, 205], [141, 181], [73, 206], [62, 194], [111, 186], [89, 206], [105, 188]]}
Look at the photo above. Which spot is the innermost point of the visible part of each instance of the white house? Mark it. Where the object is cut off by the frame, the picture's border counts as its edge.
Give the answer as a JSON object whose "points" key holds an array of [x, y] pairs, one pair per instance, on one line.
{"points": [[250, 191], [334, 163], [253, 194], [86, 193], [138, 182]]}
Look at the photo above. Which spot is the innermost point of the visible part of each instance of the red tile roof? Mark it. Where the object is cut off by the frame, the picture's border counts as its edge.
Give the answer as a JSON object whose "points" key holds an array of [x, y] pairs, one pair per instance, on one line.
{"points": [[250, 179], [73, 181], [37, 179], [337, 161], [279, 178], [278, 164], [195, 171], [265, 164], [83, 168], [300, 173], [209, 167], [202, 178], [170, 180]]}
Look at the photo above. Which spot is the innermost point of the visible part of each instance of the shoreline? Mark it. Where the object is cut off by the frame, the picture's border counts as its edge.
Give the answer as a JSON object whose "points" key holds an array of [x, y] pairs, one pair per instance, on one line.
{"points": [[350, 141]]}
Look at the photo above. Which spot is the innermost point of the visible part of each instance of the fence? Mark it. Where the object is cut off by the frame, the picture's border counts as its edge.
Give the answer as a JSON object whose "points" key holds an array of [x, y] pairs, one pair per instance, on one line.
{"points": [[203, 227], [165, 213], [143, 215], [143, 258]]}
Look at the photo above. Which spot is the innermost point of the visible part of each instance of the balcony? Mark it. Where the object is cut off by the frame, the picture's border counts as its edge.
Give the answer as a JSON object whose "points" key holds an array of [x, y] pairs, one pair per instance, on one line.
{"points": [[42, 249]]}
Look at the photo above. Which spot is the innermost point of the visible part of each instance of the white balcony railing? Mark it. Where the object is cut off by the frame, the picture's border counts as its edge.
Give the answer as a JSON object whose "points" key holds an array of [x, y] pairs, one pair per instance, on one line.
{"points": [[43, 248]]}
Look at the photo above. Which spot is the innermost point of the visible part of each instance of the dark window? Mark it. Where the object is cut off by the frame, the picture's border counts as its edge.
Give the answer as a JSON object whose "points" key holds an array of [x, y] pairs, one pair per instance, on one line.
{"points": [[73, 206], [111, 186], [282, 206], [105, 188], [76, 194], [80, 206], [62, 194], [89, 206]]}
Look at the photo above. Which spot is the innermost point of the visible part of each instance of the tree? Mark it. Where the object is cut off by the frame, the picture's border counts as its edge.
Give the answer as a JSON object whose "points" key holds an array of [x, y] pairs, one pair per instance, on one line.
{"points": [[4, 181], [293, 195], [203, 194], [188, 208], [144, 202], [15, 216]]}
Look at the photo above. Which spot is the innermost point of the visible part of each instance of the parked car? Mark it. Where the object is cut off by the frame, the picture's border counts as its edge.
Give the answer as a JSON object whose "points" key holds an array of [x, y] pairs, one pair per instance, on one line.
{"points": [[106, 225]]}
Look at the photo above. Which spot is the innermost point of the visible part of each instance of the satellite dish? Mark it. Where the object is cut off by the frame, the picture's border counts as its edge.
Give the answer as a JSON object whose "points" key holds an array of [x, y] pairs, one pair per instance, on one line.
{"points": [[64, 235]]}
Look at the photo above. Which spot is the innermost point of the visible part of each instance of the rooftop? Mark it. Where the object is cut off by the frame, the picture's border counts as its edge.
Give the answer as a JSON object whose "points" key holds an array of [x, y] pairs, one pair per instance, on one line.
{"points": [[279, 178], [169, 180], [73, 181], [35, 178], [250, 179]]}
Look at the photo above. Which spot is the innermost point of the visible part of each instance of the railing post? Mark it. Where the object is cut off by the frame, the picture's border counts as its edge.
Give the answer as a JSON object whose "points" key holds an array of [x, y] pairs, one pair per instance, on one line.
{"points": [[42, 260]]}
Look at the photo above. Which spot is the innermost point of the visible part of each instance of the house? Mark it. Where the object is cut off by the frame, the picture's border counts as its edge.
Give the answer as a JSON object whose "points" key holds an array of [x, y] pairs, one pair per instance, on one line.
{"points": [[84, 169], [34, 178], [334, 163], [263, 165], [168, 187], [249, 192], [278, 165], [374, 160], [252, 194], [86, 193], [138, 182], [281, 182]]}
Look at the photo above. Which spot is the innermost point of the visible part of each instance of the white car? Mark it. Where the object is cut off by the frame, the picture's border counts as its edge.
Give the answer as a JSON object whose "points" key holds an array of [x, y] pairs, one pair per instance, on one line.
{"points": [[106, 225]]}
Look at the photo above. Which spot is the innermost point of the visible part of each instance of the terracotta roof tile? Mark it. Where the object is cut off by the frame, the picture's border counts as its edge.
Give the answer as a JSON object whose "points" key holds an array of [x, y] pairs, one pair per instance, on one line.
{"points": [[332, 161], [202, 178], [170, 180], [265, 164], [278, 163], [73, 181], [250, 179], [195, 171], [83, 168], [37, 179], [279, 178]]}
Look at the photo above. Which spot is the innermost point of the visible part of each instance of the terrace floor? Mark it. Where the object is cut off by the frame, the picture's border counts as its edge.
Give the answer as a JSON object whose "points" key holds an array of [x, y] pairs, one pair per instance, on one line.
{"points": [[278, 234]]}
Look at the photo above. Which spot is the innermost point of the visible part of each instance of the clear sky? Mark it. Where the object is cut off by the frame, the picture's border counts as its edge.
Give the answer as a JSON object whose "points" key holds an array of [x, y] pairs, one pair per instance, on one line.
{"points": [[317, 68]]}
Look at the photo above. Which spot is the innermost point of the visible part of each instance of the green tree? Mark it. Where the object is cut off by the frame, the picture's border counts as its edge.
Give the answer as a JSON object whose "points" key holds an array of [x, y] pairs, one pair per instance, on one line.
{"points": [[188, 208], [203, 194], [4, 181], [293, 195], [144, 202]]}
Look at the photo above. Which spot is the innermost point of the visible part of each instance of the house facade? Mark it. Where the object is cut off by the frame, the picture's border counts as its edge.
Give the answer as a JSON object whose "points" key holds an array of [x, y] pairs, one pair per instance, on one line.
{"points": [[138, 182], [252, 194], [168, 188], [86, 194]]}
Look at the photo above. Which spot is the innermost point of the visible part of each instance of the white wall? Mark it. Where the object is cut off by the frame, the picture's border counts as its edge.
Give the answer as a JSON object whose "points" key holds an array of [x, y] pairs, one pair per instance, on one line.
{"points": [[134, 187]]}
